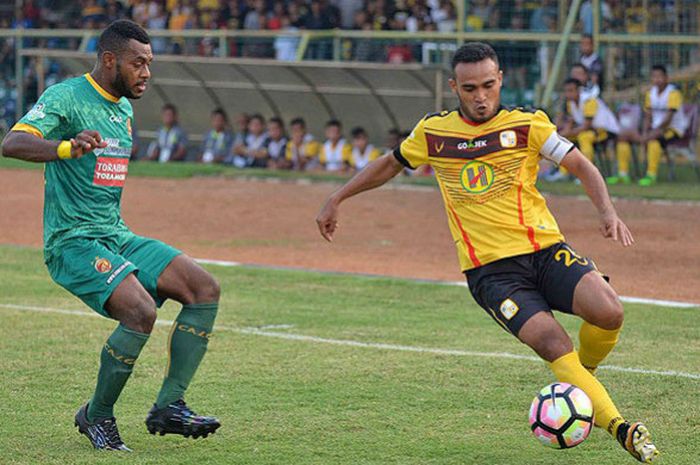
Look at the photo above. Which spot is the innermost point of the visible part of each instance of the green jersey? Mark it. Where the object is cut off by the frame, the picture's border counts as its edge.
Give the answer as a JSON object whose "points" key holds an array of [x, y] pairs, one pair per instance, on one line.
{"points": [[82, 197]]}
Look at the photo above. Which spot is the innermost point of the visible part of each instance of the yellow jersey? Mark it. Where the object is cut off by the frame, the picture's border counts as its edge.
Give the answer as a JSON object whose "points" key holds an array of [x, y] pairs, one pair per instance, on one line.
{"points": [[487, 174]]}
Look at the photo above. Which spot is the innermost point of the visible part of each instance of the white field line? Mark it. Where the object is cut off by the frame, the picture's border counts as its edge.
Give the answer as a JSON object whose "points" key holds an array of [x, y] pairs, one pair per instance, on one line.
{"points": [[367, 345], [631, 300]]}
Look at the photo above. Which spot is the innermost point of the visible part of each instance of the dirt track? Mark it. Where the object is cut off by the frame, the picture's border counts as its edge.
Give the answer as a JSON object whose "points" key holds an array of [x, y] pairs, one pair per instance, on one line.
{"points": [[392, 231]]}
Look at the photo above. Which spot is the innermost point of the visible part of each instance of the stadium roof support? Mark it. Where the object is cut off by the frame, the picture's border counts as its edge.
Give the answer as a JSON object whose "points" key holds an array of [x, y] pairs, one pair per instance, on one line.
{"points": [[375, 96]]}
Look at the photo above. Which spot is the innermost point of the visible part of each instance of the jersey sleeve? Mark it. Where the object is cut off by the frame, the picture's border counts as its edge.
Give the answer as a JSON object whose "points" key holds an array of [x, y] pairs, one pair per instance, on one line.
{"points": [[413, 151], [590, 108], [50, 118], [647, 101], [675, 100], [321, 154], [544, 140], [374, 154]]}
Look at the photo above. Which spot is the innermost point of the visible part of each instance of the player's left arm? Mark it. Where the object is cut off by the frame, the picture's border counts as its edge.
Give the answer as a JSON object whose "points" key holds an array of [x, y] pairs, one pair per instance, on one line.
{"points": [[611, 225]]}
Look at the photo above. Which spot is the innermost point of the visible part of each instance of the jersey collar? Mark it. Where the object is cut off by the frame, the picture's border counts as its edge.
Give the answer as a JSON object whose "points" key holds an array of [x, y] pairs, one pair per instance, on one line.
{"points": [[100, 90]]}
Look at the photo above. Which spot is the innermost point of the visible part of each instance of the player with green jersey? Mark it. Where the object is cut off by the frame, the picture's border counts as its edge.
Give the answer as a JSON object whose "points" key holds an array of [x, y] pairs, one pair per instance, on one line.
{"points": [[81, 129]]}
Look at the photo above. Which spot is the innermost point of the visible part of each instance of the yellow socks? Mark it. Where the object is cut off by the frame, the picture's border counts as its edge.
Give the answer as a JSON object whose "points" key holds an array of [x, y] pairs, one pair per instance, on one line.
{"points": [[595, 344], [654, 152], [568, 369], [624, 155]]}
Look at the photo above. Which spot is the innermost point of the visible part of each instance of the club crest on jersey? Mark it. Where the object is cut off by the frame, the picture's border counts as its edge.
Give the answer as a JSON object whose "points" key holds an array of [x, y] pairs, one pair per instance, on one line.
{"points": [[102, 265], [37, 112], [509, 309], [508, 139], [477, 177]]}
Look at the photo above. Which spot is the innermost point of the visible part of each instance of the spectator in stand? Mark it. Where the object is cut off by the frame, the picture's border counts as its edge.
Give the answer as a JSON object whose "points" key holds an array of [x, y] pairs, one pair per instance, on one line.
{"points": [[590, 59], [276, 144], [362, 152], [286, 45], [302, 149], [171, 140], [182, 16], [217, 142], [92, 11], [274, 17], [419, 17], [253, 152], [241, 128], [335, 152], [393, 139], [157, 20], [32, 13], [478, 15], [580, 73], [445, 17], [542, 16], [114, 10]]}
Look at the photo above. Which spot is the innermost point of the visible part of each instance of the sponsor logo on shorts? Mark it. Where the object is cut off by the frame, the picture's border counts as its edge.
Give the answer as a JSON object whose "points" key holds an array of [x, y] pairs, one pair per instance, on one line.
{"points": [[117, 272], [509, 309], [508, 139], [477, 177], [110, 172], [102, 265]]}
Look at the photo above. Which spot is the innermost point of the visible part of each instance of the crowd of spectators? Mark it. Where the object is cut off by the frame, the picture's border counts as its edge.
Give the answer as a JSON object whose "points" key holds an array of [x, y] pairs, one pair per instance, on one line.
{"points": [[524, 62], [251, 141]]}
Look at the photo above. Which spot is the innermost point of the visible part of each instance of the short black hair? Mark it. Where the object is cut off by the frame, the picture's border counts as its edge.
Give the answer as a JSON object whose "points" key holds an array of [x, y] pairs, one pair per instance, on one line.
{"points": [[117, 35], [220, 111], [574, 81], [276, 120], [169, 106], [358, 131], [334, 122], [474, 52], [258, 117], [661, 68], [579, 65], [298, 120]]}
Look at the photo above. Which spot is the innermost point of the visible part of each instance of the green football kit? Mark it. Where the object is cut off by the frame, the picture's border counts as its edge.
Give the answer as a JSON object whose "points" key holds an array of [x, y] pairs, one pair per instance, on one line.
{"points": [[88, 248]]}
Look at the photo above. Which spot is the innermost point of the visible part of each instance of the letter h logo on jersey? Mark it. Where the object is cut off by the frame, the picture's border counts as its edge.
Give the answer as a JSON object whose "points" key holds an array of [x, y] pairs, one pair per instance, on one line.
{"points": [[477, 177]]}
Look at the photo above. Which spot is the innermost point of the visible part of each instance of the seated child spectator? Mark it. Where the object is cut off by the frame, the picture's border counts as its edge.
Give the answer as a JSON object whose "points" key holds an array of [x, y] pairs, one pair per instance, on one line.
{"points": [[301, 149], [362, 151], [335, 152], [171, 140], [217, 142]]}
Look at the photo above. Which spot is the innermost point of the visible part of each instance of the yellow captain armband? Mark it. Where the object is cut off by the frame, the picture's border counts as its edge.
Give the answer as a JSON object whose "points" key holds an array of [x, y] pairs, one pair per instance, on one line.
{"points": [[63, 150]]}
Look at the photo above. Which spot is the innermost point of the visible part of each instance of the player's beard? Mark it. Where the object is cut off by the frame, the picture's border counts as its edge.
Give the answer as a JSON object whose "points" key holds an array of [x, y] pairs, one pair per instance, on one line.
{"points": [[121, 86], [475, 118]]}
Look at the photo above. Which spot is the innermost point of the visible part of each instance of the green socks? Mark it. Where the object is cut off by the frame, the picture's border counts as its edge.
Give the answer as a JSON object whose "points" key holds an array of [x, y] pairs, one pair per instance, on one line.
{"points": [[186, 347], [116, 363]]}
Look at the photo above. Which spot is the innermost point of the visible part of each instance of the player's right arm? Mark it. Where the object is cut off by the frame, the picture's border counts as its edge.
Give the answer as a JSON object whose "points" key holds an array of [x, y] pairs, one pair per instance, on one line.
{"points": [[43, 134], [31, 147], [412, 153], [374, 175]]}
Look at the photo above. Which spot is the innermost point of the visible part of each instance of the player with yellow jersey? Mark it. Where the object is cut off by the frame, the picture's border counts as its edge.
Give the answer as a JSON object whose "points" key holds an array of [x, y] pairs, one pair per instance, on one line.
{"points": [[664, 120], [518, 267], [590, 121]]}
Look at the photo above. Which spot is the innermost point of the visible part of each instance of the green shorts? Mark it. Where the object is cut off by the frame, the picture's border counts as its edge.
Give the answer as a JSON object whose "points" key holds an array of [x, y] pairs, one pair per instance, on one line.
{"points": [[92, 268]]}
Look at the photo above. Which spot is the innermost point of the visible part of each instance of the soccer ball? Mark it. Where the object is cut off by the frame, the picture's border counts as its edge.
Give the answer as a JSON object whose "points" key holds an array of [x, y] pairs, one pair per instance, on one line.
{"points": [[561, 416]]}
